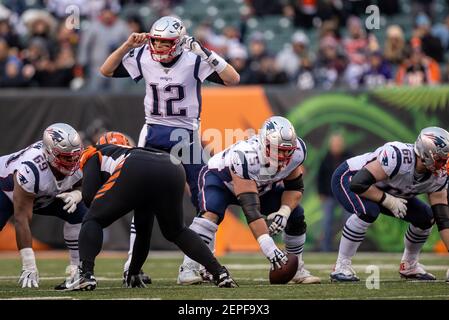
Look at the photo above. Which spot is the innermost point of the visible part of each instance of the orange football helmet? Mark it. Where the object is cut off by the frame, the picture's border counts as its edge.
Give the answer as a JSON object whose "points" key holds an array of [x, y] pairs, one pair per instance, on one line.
{"points": [[114, 137]]}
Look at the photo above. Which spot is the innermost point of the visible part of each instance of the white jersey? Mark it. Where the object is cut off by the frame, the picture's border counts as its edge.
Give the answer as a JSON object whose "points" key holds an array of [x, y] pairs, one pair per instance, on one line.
{"points": [[173, 95], [398, 161], [33, 175], [245, 159]]}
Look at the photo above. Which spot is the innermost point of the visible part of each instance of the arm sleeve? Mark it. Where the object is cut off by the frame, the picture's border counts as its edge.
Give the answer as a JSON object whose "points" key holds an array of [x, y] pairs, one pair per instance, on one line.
{"points": [[121, 72], [131, 62], [215, 78], [92, 179], [390, 159], [28, 177]]}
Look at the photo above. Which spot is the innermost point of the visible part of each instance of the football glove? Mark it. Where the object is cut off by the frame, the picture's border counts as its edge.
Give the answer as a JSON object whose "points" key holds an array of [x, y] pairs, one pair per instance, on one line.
{"points": [[279, 220], [277, 259], [29, 278], [71, 199], [214, 60], [135, 281], [397, 206]]}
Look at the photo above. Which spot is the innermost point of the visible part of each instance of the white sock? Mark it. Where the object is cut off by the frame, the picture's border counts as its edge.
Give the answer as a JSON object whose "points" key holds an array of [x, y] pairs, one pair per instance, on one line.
{"points": [[71, 234], [206, 230], [295, 244], [414, 239], [352, 236], [132, 238]]}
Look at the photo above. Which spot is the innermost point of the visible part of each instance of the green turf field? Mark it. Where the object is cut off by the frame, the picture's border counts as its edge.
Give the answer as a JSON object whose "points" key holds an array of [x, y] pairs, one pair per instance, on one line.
{"points": [[250, 271]]}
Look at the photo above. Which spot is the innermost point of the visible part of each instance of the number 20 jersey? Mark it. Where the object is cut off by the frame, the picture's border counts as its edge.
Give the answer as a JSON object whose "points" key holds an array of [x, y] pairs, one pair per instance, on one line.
{"points": [[173, 95], [33, 175], [398, 160]]}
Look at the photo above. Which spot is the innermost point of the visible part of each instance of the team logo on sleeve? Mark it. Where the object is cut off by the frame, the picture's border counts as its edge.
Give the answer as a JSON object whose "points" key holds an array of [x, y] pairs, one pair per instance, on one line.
{"points": [[22, 179], [385, 159]]}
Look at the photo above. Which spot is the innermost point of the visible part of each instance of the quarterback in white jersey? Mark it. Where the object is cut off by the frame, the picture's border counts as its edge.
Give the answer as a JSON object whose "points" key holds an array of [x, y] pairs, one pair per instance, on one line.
{"points": [[40, 179], [263, 175], [173, 66], [387, 181]]}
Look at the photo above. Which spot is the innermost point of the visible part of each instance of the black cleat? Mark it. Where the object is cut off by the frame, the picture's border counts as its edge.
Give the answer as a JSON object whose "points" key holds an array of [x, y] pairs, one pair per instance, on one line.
{"points": [[81, 282], [224, 280]]}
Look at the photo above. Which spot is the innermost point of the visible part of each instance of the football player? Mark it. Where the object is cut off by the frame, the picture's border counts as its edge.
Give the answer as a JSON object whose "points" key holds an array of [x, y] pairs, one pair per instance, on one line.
{"points": [[264, 176], [43, 179], [117, 179], [173, 66], [387, 181]]}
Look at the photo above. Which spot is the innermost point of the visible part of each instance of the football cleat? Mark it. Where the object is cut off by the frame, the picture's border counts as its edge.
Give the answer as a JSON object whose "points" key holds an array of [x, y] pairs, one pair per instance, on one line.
{"points": [[189, 274], [224, 280], [206, 275], [412, 270], [146, 279], [70, 270], [303, 276], [81, 281], [343, 272]]}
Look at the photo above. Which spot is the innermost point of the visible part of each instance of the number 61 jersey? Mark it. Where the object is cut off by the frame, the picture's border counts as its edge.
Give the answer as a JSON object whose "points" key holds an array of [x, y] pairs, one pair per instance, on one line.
{"points": [[398, 160], [33, 175]]}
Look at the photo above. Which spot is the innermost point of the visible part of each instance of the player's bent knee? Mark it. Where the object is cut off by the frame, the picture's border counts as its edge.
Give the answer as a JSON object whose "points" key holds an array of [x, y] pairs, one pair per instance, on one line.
{"points": [[296, 227]]}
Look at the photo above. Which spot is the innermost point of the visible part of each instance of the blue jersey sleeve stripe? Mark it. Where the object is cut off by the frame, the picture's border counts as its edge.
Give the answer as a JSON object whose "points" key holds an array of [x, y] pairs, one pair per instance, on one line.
{"points": [[33, 168], [139, 65], [196, 72], [304, 149], [398, 163]]}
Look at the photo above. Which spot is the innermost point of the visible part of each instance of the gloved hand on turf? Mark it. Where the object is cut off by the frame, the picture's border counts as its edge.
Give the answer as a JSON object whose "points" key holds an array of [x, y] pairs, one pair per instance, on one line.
{"points": [[71, 199], [135, 281], [30, 276], [397, 206], [279, 220]]}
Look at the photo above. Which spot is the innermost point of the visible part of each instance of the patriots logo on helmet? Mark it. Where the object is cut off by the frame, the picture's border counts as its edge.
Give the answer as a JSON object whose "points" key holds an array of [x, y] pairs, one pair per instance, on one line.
{"points": [[22, 179], [385, 159], [438, 141], [270, 126], [55, 136]]}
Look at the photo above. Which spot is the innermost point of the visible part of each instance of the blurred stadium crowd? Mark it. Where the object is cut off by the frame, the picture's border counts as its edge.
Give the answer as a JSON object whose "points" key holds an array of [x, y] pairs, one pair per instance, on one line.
{"points": [[305, 43]]}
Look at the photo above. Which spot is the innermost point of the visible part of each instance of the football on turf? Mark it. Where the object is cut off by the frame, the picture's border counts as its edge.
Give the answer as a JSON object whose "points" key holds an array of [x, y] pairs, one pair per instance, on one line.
{"points": [[286, 273]]}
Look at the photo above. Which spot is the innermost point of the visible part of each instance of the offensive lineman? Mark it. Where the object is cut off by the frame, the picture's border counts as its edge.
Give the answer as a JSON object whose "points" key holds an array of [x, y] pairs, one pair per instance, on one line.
{"points": [[173, 66], [387, 181], [41, 179], [264, 176]]}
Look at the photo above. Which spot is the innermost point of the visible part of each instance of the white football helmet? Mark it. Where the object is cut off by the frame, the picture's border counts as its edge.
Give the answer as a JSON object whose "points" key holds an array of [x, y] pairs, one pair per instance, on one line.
{"points": [[167, 28], [432, 146], [62, 148], [279, 139]]}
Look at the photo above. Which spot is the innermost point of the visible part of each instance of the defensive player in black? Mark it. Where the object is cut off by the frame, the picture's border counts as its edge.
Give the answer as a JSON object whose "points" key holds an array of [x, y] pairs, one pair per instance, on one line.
{"points": [[117, 179]]}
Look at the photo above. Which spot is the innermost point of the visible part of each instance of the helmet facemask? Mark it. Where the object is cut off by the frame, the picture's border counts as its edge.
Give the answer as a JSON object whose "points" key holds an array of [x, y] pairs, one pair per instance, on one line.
{"points": [[65, 162], [166, 29], [163, 54], [279, 154]]}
